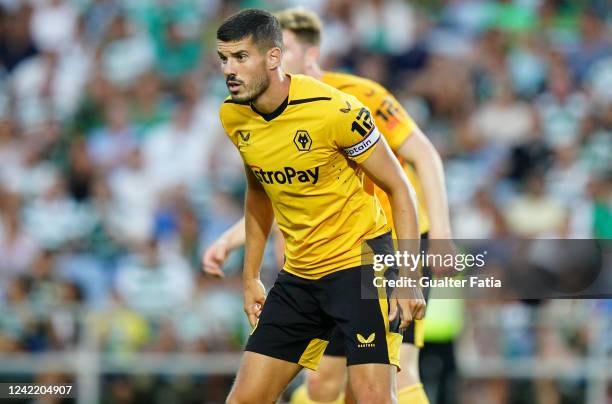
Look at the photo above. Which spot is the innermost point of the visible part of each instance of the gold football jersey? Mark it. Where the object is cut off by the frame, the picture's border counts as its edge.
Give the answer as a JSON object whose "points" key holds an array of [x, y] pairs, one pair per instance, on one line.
{"points": [[395, 125], [305, 154]]}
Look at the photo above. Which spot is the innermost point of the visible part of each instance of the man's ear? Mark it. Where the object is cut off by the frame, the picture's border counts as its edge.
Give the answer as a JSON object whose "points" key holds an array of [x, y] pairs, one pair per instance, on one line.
{"points": [[274, 57]]}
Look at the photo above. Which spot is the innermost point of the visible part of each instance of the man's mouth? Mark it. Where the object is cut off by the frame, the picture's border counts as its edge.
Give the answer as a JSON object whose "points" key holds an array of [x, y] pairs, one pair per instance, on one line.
{"points": [[233, 86]]}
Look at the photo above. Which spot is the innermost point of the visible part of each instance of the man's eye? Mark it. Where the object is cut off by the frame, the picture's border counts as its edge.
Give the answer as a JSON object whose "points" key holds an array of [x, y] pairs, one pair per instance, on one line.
{"points": [[242, 58]]}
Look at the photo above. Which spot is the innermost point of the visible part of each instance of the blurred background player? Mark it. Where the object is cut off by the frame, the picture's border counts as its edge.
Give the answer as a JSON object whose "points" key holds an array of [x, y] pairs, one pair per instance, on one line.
{"points": [[422, 164]]}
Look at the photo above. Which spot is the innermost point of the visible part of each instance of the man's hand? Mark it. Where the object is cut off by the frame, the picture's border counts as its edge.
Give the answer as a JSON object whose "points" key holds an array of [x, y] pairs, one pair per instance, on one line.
{"points": [[412, 308], [443, 247], [254, 298], [214, 257]]}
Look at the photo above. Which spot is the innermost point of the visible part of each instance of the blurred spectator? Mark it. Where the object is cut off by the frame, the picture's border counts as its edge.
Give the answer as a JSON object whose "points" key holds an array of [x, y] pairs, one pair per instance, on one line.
{"points": [[601, 189], [64, 325], [597, 138], [126, 52], [49, 86], [445, 85], [478, 218], [175, 153], [337, 24], [489, 66], [54, 218], [148, 107], [513, 16], [10, 150], [53, 24], [516, 115], [98, 17], [527, 66], [536, 213], [567, 178], [598, 80], [134, 193], [90, 113], [594, 43], [104, 238], [176, 45], [17, 247], [186, 241], [80, 172], [17, 317], [32, 175], [212, 320], [154, 285], [43, 282], [119, 330], [16, 42], [384, 26], [561, 109], [110, 145], [164, 337], [567, 181]]}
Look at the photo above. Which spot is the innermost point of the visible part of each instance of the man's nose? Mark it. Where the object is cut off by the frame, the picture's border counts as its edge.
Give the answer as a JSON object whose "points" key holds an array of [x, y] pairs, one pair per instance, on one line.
{"points": [[229, 68]]}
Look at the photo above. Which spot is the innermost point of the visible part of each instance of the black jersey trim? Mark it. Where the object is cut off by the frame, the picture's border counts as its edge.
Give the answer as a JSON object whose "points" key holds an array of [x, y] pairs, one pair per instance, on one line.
{"points": [[273, 114], [281, 108], [305, 100], [230, 101]]}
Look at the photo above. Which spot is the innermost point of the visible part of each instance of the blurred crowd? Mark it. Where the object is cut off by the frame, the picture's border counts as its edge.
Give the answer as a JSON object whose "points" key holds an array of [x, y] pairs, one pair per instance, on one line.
{"points": [[115, 172]]}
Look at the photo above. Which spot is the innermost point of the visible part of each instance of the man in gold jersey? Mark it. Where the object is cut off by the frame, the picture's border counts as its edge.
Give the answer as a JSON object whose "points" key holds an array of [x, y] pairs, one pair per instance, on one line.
{"points": [[302, 36], [304, 144]]}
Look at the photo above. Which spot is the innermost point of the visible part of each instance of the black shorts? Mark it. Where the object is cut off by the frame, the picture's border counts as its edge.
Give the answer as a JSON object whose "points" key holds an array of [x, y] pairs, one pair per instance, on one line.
{"points": [[414, 334], [299, 316]]}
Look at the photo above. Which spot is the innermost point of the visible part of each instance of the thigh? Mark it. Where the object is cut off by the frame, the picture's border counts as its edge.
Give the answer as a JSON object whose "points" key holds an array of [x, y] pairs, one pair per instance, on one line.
{"points": [[261, 379], [409, 358], [292, 327], [372, 383], [327, 383]]}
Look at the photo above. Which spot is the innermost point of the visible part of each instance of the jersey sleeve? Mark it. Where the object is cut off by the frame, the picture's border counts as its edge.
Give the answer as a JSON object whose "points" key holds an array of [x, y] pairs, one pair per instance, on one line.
{"points": [[392, 120], [354, 130], [222, 117]]}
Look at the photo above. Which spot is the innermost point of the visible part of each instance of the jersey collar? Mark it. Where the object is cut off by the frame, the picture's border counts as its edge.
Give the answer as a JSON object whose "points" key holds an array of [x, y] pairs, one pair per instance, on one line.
{"points": [[273, 114], [281, 108]]}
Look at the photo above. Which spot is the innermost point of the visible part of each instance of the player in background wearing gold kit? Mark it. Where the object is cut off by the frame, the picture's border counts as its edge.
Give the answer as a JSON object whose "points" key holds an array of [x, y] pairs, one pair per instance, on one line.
{"points": [[301, 36], [304, 145]]}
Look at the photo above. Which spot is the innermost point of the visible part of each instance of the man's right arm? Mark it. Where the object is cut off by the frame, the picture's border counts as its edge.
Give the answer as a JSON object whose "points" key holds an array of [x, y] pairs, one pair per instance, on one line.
{"points": [[235, 236], [215, 255], [258, 220]]}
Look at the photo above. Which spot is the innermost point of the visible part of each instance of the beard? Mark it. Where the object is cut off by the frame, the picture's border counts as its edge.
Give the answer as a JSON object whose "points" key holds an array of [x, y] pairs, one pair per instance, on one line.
{"points": [[252, 91]]}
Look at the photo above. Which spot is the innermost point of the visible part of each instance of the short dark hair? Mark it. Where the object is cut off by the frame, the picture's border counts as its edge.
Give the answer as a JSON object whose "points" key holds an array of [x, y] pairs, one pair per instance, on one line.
{"points": [[263, 28]]}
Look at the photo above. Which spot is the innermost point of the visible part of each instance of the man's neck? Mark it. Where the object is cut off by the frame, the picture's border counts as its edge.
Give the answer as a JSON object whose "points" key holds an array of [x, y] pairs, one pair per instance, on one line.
{"points": [[314, 71], [275, 94]]}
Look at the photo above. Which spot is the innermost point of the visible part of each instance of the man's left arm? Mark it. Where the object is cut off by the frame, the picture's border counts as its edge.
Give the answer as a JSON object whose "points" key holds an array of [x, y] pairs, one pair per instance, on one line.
{"points": [[382, 167], [409, 143], [355, 132], [419, 151]]}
